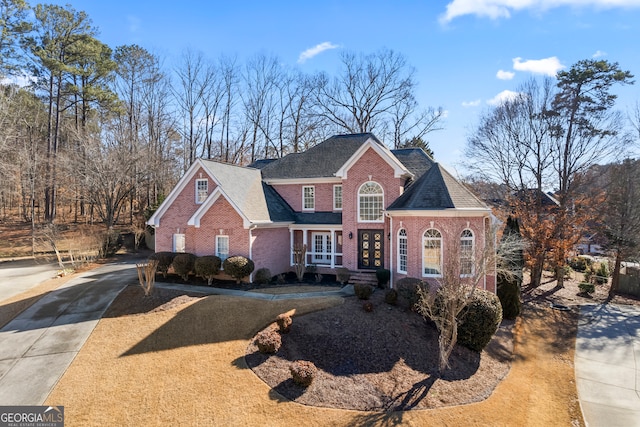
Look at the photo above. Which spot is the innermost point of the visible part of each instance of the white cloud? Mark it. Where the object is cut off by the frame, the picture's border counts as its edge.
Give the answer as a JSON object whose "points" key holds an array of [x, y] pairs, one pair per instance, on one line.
{"points": [[467, 104], [599, 54], [317, 49], [548, 66], [496, 9], [502, 97], [505, 75]]}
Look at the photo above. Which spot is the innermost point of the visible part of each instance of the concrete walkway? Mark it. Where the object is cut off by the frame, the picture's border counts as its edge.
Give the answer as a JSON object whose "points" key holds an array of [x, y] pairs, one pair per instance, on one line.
{"points": [[21, 275], [39, 344], [607, 364]]}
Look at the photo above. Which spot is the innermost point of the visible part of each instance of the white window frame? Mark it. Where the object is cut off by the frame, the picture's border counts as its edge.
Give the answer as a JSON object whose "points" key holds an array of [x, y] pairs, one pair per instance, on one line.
{"points": [[219, 254], [312, 198], [324, 256], [199, 192], [179, 243], [403, 251], [467, 237], [337, 188], [432, 239], [366, 196]]}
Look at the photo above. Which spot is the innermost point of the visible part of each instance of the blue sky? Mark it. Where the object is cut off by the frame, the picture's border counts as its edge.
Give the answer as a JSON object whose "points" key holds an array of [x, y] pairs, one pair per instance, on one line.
{"points": [[465, 52]]}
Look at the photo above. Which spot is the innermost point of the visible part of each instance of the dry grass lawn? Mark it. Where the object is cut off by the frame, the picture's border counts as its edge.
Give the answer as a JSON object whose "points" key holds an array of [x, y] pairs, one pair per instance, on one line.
{"points": [[185, 366]]}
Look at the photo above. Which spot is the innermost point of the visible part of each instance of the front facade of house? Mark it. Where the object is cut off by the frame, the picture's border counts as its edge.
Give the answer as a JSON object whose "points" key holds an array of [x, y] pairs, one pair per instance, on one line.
{"points": [[353, 202]]}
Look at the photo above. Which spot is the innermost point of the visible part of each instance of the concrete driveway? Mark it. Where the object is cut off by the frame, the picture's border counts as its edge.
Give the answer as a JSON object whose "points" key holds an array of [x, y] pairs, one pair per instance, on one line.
{"points": [[607, 364], [38, 345], [19, 276]]}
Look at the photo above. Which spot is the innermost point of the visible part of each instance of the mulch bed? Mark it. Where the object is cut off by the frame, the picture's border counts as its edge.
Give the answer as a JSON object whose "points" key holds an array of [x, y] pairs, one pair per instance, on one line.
{"points": [[384, 360]]}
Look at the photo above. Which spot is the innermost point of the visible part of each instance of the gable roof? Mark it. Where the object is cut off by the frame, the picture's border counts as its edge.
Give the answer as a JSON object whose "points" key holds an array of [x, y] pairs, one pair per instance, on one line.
{"points": [[324, 160], [437, 189]]}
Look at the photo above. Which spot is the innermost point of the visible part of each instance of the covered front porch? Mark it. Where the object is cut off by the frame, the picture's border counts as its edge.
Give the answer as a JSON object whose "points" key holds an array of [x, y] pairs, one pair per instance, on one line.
{"points": [[323, 244]]}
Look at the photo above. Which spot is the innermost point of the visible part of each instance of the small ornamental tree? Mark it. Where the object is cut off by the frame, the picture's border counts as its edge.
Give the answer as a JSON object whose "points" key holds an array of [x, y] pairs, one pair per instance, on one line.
{"points": [[238, 267], [510, 285]]}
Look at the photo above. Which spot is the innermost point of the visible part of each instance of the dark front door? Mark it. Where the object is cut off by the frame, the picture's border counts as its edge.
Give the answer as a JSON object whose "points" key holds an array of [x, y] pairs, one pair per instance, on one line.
{"points": [[370, 249]]}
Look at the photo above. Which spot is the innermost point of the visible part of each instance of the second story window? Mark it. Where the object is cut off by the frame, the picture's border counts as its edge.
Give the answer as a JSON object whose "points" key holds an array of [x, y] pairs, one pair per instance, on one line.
{"points": [[337, 197], [370, 202], [202, 190], [308, 198]]}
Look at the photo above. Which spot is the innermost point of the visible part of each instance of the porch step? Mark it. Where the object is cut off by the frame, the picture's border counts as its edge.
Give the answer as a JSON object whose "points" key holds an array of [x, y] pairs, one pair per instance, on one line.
{"points": [[363, 278]]}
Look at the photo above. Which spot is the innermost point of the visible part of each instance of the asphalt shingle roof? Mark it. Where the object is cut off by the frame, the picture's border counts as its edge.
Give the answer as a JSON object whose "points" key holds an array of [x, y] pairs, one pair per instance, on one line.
{"points": [[414, 159], [437, 189]]}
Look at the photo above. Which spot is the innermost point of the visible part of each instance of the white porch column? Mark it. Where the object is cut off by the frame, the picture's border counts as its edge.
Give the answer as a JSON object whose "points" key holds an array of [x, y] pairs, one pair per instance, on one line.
{"points": [[333, 248], [305, 242], [291, 232]]}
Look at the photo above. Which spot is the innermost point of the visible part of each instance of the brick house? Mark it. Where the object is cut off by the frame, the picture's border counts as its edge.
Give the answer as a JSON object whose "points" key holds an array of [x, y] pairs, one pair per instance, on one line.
{"points": [[352, 201]]}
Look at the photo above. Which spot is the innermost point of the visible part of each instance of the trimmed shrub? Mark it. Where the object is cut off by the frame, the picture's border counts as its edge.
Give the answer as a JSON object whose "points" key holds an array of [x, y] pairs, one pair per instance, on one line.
{"points": [[164, 261], [601, 274], [268, 341], [238, 267], [207, 267], [262, 276], [408, 290], [587, 288], [362, 291], [367, 306], [383, 276], [303, 372], [183, 264], [479, 320], [343, 275], [284, 322], [509, 295], [391, 297]]}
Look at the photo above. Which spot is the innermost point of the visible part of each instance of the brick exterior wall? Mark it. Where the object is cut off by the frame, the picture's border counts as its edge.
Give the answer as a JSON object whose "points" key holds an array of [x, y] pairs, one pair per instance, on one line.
{"points": [[292, 194], [369, 167], [175, 218], [220, 219], [450, 228], [271, 249]]}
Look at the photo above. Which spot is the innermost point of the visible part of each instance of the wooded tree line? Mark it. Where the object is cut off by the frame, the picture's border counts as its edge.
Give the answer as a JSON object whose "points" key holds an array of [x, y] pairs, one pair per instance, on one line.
{"points": [[103, 131], [551, 140]]}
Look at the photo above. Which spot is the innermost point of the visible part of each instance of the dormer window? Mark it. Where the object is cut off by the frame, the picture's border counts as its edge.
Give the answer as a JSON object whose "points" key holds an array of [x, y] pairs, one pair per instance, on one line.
{"points": [[202, 190]]}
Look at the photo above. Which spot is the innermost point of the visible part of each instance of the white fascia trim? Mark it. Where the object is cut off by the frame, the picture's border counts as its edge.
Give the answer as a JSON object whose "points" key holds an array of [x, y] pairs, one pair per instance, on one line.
{"points": [[154, 221], [321, 227], [399, 171], [443, 213], [270, 224], [202, 210], [303, 181]]}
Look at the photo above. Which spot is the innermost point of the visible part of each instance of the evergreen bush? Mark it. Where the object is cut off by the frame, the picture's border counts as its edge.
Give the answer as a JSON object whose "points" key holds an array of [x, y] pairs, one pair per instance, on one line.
{"points": [[207, 267], [183, 264], [479, 321], [263, 276], [164, 261], [238, 267]]}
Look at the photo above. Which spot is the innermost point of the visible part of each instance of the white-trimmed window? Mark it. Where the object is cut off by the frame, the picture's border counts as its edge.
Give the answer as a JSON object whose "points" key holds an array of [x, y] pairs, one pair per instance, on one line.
{"points": [[321, 248], [179, 242], [222, 247], [308, 198], [466, 253], [337, 197], [432, 253], [402, 251], [202, 190], [370, 202]]}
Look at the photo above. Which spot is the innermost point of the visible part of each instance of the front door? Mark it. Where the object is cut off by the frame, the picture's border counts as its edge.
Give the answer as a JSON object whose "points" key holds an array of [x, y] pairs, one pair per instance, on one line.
{"points": [[370, 249]]}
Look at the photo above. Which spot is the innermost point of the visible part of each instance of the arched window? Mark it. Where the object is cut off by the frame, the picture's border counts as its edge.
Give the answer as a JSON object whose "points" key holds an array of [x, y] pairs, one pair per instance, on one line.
{"points": [[466, 253], [432, 253], [370, 202], [402, 251]]}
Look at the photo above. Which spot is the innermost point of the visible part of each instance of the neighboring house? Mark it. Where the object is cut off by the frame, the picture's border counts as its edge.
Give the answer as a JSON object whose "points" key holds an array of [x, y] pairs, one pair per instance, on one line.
{"points": [[351, 200]]}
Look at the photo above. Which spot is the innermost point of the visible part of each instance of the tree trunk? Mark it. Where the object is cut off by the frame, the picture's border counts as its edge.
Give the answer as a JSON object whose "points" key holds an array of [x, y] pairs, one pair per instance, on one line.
{"points": [[615, 277]]}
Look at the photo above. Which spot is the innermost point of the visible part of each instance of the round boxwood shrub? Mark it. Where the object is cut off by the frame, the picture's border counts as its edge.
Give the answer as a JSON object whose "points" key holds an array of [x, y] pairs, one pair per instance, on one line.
{"points": [[268, 341], [183, 264], [407, 288], [363, 291], [207, 267], [238, 267], [343, 275], [391, 297], [164, 261], [303, 372], [262, 276], [479, 320]]}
